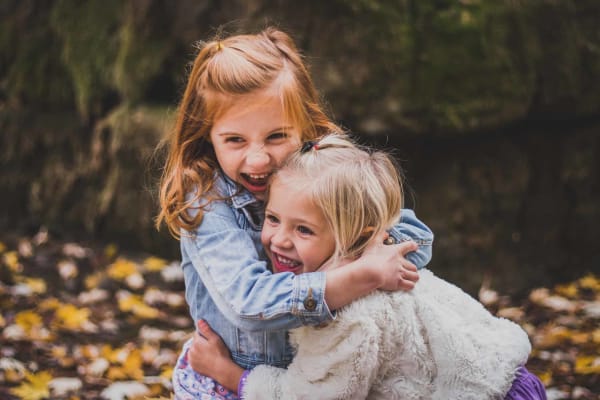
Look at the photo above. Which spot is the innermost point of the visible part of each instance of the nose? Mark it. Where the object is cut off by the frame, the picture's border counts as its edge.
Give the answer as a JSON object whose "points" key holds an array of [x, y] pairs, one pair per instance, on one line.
{"points": [[281, 240], [258, 157]]}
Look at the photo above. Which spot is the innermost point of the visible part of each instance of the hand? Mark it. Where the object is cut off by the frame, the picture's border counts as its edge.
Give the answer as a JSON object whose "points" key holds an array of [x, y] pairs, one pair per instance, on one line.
{"points": [[209, 356], [390, 263]]}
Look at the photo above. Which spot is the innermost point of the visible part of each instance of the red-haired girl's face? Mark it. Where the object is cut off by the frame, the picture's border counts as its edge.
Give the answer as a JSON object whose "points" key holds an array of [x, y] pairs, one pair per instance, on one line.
{"points": [[252, 138]]}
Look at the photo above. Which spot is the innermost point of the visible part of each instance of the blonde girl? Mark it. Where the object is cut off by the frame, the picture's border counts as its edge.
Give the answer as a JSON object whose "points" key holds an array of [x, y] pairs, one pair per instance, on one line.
{"points": [[325, 207], [249, 103]]}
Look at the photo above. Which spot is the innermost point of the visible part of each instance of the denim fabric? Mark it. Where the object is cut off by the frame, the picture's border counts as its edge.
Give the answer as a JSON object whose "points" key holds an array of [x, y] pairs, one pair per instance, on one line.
{"points": [[229, 284]]}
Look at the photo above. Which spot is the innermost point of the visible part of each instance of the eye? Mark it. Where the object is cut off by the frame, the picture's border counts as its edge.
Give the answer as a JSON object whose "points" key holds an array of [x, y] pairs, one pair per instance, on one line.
{"points": [[277, 136], [273, 220], [305, 230], [234, 139]]}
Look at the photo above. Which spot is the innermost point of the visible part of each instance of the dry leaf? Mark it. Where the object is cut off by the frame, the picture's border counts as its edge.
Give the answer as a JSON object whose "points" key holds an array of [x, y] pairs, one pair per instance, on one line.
{"points": [[587, 365], [72, 318], [153, 264], [36, 387], [64, 386], [133, 303], [124, 390], [121, 269], [11, 260], [67, 269]]}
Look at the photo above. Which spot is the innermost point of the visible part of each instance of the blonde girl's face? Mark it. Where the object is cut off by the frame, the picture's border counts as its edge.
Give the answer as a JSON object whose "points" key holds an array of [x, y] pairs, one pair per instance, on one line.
{"points": [[295, 234], [252, 138]]}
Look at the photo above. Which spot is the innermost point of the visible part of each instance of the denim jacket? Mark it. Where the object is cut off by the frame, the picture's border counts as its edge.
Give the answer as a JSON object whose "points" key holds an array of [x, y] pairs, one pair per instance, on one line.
{"points": [[228, 282]]}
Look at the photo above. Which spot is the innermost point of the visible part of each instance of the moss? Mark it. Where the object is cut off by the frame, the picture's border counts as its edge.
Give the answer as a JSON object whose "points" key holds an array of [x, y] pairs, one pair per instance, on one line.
{"points": [[31, 68], [89, 34]]}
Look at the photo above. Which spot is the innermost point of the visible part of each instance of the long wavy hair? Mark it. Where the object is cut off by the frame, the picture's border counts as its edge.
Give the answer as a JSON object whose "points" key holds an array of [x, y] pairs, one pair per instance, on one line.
{"points": [[224, 71]]}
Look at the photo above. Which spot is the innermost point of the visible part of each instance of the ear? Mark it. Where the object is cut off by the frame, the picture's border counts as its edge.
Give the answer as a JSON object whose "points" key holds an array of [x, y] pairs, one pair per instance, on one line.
{"points": [[367, 232]]}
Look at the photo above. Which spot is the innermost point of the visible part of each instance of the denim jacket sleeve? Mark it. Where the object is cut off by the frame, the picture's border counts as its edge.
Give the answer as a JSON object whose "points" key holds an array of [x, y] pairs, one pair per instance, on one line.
{"points": [[239, 282], [411, 228]]}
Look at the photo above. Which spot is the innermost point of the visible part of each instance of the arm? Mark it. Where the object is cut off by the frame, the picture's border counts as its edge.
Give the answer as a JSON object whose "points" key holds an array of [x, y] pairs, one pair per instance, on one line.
{"points": [[409, 228], [251, 298], [337, 362]]}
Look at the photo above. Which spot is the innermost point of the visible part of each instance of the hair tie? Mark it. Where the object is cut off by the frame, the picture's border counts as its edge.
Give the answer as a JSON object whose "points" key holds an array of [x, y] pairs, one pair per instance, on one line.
{"points": [[308, 145]]}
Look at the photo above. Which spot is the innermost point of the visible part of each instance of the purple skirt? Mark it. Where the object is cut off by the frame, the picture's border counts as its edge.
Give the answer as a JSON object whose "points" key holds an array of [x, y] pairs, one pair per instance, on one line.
{"points": [[526, 386]]}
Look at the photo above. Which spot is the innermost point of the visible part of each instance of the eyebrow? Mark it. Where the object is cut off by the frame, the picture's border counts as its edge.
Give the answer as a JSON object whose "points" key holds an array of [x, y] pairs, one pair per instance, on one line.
{"points": [[279, 129]]}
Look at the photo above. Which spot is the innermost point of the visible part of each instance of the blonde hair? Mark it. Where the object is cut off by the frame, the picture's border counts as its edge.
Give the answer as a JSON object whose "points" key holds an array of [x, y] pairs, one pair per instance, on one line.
{"points": [[358, 190], [223, 72]]}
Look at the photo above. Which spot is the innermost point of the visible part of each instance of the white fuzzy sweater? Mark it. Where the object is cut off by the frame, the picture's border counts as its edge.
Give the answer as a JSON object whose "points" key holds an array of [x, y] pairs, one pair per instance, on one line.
{"points": [[435, 342]]}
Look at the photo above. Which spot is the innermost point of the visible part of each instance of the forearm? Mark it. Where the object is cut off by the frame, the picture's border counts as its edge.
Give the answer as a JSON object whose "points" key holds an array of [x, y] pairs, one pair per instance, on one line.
{"points": [[246, 293], [230, 376], [344, 285]]}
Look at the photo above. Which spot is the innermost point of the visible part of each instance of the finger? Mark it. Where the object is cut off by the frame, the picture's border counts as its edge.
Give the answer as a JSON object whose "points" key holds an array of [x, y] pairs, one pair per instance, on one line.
{"points": [[205, 330], [407, 247], [410, 276], [406, 285], [408, 266]]}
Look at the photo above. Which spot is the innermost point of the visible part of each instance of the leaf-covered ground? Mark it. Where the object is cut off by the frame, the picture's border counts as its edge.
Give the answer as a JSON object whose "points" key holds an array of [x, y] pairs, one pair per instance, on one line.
{"points": [[89, 322]]}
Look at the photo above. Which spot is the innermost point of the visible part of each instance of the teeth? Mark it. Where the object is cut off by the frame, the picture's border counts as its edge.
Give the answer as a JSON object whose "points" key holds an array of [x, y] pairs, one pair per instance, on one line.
{"points": [[258, 176], [287, 261]]}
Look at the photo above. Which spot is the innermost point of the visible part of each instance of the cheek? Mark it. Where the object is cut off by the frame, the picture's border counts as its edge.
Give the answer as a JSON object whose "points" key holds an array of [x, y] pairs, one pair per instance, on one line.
{"points": [[265, 237], [285, 151]]}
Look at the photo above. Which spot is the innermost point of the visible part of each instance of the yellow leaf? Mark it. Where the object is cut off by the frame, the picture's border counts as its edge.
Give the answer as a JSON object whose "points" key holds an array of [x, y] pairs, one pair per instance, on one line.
{"points": [[121, 269], [546, 377], [93, 280], [569, 290], [111, 250], [596, 336], [590, 282], [11, 259], [587, 365], [154, 263], [37, 285], [133, 365], [36, 388], [28, 320], [167, 372], [134, 304], [2, 247], [70, 317], [50, 303]]}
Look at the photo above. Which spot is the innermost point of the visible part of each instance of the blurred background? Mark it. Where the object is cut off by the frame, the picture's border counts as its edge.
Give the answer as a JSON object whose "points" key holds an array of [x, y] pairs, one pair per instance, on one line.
{"points": [[492, 107]]}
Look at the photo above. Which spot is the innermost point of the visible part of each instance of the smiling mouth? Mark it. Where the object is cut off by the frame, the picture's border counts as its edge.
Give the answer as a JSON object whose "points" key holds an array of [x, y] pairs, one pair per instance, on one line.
{"points": [[256, 181], [284, 264]]}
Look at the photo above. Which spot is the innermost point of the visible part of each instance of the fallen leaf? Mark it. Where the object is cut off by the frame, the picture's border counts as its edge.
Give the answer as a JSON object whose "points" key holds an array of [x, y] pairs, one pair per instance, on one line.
{"points": [[11, 260], [124, 390], [121, 269], [129, 302], [67, 269], [72, 318], [587, 365], [153, 264], [64, 386], [36, 387]]}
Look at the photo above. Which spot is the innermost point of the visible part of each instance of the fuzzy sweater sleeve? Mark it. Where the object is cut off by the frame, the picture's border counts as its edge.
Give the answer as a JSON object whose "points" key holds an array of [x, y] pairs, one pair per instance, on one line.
{"points": [[339, 361]]}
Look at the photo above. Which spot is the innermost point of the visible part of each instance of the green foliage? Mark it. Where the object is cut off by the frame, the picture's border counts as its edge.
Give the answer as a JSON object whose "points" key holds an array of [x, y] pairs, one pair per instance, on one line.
{"points": [[30, 61], [89, 46], [144, 45]]}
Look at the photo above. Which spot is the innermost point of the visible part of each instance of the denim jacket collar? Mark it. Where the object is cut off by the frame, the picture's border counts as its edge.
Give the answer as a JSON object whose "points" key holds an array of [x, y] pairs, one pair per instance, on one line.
{"points": [[240, 197], [241, 200]]}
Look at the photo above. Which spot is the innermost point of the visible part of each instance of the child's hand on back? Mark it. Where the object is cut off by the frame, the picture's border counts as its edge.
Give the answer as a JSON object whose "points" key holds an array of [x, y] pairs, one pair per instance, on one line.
{"points": [[394, 270], [209, 356]]}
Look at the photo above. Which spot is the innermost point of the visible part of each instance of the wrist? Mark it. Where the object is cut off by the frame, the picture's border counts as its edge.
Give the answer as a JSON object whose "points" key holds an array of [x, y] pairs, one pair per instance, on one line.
{"points": [[373, 277]]}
